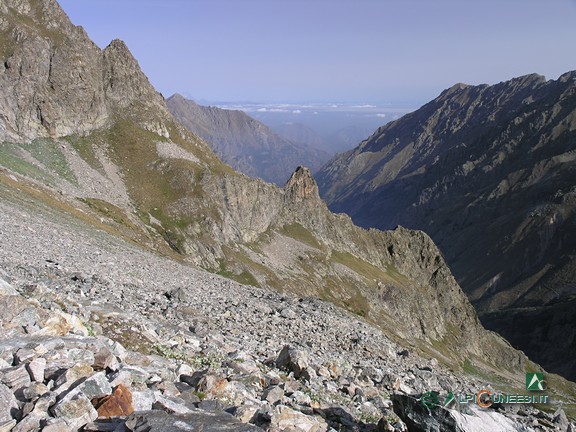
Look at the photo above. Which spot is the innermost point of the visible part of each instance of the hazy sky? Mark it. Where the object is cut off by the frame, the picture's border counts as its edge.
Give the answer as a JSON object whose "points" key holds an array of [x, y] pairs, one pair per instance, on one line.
{"points": [[333, 50]]}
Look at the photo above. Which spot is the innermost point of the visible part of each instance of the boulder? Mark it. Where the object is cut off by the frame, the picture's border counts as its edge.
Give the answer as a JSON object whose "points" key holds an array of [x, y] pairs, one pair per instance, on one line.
{"points": [[292, 360], [118, 404], [285, 418], [8, 403], [76, 412], [419, 418]]}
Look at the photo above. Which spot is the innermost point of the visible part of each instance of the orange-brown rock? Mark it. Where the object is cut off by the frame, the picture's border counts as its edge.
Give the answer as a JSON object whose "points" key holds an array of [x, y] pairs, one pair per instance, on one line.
{"points": [[118, 404]]}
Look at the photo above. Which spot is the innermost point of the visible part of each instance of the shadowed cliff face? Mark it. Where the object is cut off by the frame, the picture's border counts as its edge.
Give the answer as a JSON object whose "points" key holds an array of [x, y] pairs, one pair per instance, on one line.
{"points": [[488, 172], [244, 143], [122, 163]]}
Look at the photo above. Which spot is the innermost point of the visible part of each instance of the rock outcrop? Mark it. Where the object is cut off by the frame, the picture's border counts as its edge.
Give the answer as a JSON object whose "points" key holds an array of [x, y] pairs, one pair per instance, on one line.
{"points": [[488, 172], [54, 81]]}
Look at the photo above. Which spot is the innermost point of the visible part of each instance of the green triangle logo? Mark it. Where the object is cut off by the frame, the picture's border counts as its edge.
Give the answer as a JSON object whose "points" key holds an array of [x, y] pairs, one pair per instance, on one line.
{"points": [[535, 381]]}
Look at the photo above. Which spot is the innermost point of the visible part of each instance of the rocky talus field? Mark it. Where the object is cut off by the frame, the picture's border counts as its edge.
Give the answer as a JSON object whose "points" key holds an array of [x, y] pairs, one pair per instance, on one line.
{"points": [[98, 334]]}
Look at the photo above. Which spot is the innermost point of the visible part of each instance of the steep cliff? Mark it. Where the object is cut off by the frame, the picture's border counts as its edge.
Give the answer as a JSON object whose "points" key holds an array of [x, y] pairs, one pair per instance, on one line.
{"points": [[488, 172]]}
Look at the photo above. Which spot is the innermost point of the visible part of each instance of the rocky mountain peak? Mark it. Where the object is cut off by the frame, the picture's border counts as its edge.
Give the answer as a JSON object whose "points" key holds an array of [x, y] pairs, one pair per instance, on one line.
{"points": [[124, 81], [47, 12], [64, 83], [455, 88], [301, 186]]}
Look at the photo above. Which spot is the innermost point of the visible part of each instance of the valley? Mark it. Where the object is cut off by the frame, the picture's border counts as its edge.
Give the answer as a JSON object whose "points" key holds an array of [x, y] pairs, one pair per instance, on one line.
{"points": [[143, 274]]}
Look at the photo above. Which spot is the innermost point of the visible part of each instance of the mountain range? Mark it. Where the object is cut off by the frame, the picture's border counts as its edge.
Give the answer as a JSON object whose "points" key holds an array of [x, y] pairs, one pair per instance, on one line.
{"points": [[91, 158], [488, 172], [244, 143]]}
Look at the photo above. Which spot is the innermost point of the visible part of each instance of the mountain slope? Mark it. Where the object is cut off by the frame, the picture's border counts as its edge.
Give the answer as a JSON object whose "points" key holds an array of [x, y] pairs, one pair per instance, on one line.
{"points": [[244, 143], [488, 172], [138, 174]]}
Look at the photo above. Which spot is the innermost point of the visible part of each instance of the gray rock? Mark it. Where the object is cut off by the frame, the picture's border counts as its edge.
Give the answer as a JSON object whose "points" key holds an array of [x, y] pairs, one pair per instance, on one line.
{"points": [[6, 289], [274, 395], [7, 425], [292, 360], [9, 404], [58, 425], [15, 377], [76, 412], [419, 418], [30, 423], [105, 359], [24, 354], [35, 390], [560, 419], [244, 413], [143, 400], [71, 376], [158, 421], [106, 425], [170, 404], [36, 369], [44, 402], [94, 387], [301, 398], [286, 418]]}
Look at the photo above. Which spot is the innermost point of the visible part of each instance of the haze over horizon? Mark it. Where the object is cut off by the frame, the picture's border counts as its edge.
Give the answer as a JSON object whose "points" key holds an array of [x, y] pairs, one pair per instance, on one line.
{"points": [[396, 52]]}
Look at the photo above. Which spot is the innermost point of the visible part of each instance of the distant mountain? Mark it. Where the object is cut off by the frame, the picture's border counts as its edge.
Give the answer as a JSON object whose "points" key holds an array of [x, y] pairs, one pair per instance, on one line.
{"points": [[348, 137], [302, 133], [244, 143], [489, 172], [340, 141]]}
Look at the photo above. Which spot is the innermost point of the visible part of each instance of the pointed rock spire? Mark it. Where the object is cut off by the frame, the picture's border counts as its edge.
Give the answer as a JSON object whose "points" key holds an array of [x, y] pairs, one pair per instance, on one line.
{"points": [[301, 186]]}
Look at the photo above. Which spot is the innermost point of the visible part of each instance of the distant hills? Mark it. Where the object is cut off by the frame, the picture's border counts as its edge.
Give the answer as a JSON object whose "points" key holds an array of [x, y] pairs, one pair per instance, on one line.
{"points": [[302, 133], [244, 143], [341, 140], [489, 173]]}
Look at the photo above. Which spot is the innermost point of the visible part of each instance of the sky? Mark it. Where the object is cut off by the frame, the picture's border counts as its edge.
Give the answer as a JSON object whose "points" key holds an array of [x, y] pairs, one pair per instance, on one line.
{"points": [[385, 51]]}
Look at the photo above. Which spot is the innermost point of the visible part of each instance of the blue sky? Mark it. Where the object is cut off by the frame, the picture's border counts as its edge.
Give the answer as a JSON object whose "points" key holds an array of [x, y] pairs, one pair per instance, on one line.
{"points": [[395, 51]]}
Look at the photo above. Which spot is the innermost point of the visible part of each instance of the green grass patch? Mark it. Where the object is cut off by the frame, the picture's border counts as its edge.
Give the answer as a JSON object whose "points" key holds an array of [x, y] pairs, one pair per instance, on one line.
{"points": [[11, 158], [303, 235], [344, 293], [111, 211], [49, 154], [85, 148], [244, 278]]}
